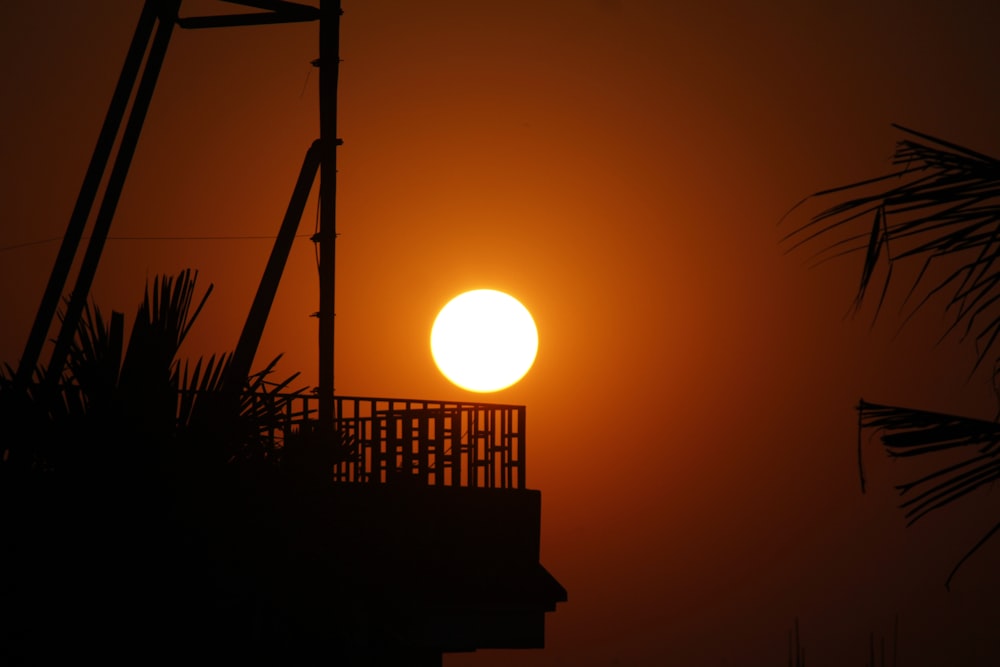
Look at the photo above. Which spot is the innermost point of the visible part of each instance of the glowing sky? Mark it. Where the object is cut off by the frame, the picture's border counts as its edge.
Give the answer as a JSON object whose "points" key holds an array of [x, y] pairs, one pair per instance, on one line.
{"points": [[619, 166]]}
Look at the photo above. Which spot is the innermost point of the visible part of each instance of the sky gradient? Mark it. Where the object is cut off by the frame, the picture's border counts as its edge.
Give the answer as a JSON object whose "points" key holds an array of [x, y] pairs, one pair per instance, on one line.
{"points": [[620, 167]]}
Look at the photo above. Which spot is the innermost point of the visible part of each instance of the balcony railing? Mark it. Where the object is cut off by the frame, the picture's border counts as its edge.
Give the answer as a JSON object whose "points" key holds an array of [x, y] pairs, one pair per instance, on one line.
{"points": [[373, 440], [393, 440]]}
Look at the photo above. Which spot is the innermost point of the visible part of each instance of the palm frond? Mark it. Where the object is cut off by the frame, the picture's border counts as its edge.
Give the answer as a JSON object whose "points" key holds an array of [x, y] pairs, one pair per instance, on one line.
{"points": [[95, 357], [267, 408], [241, 426], [912, 432], [162, 323], [973, 446], [203, 380], [939, 205]]}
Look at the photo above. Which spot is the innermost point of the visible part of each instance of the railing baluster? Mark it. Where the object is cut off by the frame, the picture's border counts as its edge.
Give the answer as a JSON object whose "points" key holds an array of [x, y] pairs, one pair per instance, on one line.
{"points": [[440, 443]]}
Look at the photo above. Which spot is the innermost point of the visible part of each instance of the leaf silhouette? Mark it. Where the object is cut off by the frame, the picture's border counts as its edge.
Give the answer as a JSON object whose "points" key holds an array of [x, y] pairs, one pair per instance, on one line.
{"points": [[940, 206]]}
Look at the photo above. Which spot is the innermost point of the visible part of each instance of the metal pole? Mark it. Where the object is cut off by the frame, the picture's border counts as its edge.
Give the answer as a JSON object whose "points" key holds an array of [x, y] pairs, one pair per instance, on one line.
{"points": [[167, 15], [88, 192], [329, 54]]}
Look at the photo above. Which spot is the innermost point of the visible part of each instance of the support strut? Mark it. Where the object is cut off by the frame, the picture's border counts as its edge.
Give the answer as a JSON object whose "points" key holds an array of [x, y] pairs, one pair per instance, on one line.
{"points": [[166, 12], [85, 199], [246, 348]]}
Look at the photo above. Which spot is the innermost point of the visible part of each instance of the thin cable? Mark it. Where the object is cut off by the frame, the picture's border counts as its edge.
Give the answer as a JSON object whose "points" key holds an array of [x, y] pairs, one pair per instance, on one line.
{"points": [[27, 244], [194, 238]]}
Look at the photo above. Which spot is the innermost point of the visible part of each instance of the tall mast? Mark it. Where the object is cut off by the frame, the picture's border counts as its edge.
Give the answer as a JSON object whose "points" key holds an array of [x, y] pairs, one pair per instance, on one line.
{"points": [[329, 54]]}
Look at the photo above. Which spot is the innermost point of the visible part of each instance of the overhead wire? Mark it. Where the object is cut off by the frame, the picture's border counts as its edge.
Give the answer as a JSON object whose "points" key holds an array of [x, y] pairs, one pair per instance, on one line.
{"points": [[27, 244], [17, 246]]}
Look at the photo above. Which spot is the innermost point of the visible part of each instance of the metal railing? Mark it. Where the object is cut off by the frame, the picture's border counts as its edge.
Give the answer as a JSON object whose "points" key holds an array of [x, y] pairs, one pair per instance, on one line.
{"points": [[373, 440], [394, 440]]}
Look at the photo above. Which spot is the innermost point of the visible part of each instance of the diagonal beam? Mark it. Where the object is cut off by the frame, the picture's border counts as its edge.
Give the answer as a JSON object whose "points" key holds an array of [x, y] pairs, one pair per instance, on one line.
{"points": [[85, 200], [276, 6], [253, 329], [167, 15], [234, 20], [276, 11]]}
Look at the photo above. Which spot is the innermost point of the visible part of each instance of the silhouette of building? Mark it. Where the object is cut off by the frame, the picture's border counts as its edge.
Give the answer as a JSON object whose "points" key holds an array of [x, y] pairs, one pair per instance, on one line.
{"points": [[395, 529]]}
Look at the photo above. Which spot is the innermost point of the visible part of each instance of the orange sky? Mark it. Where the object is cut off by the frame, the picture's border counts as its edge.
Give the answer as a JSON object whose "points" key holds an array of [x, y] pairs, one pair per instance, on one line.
{"points": [[620, 166]]}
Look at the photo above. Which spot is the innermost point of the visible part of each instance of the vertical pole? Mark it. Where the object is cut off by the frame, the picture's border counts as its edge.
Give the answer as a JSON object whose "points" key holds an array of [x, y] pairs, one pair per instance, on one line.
{"points": [[329, 54], [88, 192]]}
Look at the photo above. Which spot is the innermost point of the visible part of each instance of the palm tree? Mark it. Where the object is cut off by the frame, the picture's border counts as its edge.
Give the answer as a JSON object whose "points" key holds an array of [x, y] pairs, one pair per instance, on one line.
{"points": [[111, 398], [938, 210], [137, 479]]}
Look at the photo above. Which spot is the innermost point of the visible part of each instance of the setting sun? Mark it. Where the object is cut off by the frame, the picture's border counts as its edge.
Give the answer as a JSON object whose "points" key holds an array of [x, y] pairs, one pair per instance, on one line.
{"points": [[484, 340]]}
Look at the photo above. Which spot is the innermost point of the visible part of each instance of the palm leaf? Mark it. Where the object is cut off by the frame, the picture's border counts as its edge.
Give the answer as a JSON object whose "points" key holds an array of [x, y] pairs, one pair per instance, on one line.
{"points": [[204, 379], [147, 380], [94, 358], [939, 206], [162, 323], [266, 407], [972, 444], [239, 426]]}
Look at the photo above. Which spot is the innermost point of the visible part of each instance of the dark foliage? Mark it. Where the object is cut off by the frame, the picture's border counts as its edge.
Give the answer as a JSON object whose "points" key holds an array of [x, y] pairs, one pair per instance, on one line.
{"points": [[940, 209], [145, 510], [940, 206]]}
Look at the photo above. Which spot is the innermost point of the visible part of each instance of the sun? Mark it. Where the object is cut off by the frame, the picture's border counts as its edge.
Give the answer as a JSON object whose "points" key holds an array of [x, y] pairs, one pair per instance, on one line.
{"points": [[484, 340]]}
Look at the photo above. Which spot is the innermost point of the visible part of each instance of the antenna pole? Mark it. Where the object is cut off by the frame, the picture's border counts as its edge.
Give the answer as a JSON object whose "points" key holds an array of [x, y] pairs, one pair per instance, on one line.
{"points": [[329, 54]]}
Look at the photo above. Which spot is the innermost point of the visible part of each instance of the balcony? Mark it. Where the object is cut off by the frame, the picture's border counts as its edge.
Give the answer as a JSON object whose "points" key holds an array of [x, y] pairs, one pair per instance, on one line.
{"points": [[396, 440]]}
